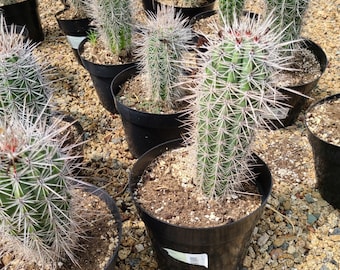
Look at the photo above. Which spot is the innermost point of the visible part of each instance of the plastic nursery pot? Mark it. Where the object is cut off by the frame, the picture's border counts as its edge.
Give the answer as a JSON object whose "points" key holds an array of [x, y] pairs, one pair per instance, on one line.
{"points": [[75, 30], [297, 102], [25, 13], [110, 203], [101, 76], [326, 161], [152, 5], [144, 130], [214, 248]]}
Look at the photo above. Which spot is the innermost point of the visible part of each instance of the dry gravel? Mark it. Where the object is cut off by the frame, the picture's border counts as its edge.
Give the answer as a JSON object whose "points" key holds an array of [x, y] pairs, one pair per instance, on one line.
{"points": [[299, 230]]}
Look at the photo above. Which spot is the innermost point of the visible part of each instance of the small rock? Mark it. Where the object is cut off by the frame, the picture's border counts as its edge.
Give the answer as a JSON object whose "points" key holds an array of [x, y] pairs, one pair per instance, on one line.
{"points": [[139, 247], [276, 253], [309, 198], [287, 205], [278, 242], [336, 231], [311, 219], [263, 239], [291, 249]]}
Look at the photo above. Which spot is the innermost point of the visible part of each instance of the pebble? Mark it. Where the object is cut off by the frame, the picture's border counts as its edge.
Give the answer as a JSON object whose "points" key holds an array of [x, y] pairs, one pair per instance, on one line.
{"points": [[263, 239]]}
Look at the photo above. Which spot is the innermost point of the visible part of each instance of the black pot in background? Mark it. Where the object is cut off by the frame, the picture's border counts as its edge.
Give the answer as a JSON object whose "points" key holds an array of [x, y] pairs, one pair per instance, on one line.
{"points": [[219, 247], [76, 31], [326, 162], [151, 6], [101, 76], [111, 205], [144, 130], [297, 102], [25, 13]]}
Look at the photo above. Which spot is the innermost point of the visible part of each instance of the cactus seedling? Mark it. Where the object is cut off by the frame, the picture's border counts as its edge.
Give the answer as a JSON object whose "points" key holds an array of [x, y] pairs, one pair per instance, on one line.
{"points": [[163, 42], [37, 217], [23, 76], [233, 94], [113, 21]]}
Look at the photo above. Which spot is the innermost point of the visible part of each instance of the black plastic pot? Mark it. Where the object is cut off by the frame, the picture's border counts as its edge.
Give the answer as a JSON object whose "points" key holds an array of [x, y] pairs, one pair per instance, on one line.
{"points": [[110, 203], [220, 247], [75, 30], [144, 130], [326, 162], [152, 5], [297, 102], [101, 76], [25, 13]]}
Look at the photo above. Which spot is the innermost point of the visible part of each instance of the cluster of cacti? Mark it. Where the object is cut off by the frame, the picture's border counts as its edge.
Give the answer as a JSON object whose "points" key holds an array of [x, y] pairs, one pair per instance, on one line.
{"points": [[23, 83], [289, 15], [233, 94], [37, 222], [230, 10], [163, 42], [113, 22]]}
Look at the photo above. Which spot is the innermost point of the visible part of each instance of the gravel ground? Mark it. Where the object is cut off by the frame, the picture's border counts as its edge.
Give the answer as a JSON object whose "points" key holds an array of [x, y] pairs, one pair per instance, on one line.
{"points": [[299, 230]]}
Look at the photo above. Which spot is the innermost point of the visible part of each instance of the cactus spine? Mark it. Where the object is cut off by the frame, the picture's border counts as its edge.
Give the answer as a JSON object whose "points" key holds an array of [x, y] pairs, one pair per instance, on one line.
{"points": [[164, 41], [230, 9], [113, 21], [289, 14], [37, 218], [23, 76], [233, 93]]}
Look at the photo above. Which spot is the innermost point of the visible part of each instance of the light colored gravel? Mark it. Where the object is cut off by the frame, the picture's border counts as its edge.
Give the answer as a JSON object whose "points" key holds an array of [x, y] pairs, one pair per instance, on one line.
{"points": [[299, 230]]}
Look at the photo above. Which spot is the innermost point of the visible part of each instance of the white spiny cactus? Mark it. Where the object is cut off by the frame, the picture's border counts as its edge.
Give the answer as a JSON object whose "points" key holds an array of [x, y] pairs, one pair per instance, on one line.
{"points": [[113, 22], [164, 39], [23, 75], [38, 221], [233, 93]]}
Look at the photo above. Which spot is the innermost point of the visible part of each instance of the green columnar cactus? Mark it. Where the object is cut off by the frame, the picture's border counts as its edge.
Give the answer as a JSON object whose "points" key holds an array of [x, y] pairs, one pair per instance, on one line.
{"points": [[23, 76], [289, 15], [113, 21], [163, 41], [37, 217], [233, 94], [230, 9]]}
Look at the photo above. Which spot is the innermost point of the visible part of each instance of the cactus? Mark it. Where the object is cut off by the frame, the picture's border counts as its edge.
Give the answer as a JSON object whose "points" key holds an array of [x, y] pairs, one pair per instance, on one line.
{"points": [[289, 15], [233, 93], [78, 6], [163, 41], [113, 21], [37, 217], [193, 3], [23, 76], [230, 10]]}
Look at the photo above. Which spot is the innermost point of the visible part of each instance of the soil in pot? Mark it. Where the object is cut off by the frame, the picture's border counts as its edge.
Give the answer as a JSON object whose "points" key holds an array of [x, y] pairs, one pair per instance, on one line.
{"points": [[168, 191], [99, 245], [324, 121]]}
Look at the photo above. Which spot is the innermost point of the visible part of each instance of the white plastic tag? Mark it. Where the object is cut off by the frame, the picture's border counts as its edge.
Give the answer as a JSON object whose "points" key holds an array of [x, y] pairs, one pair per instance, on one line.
{"points": [[75, 41], [195, 259]]}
